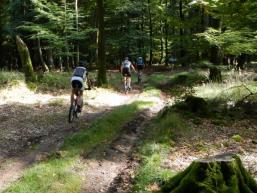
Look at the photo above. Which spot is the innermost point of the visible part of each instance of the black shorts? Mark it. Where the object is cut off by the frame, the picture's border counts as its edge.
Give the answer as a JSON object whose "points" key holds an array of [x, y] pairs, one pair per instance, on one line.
{"points": [[76, 84], [126, 72], [140, 67]]}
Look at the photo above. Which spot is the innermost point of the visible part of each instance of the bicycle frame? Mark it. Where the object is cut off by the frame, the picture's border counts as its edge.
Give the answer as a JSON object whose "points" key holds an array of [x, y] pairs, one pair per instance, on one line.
{"points": [[73, 110]]}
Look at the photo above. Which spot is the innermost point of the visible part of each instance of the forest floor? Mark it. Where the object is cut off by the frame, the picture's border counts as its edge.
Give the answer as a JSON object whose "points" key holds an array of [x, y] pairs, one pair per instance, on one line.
{"points": [[34, 127]]}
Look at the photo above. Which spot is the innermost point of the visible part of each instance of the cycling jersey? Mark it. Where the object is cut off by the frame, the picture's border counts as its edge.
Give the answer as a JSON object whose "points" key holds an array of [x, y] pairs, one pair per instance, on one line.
{"points": [[77, 80], [126, 64]]}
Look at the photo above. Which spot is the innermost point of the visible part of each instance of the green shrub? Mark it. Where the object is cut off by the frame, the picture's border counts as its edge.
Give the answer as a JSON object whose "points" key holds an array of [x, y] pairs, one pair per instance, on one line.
{"points": [[10, 78]]}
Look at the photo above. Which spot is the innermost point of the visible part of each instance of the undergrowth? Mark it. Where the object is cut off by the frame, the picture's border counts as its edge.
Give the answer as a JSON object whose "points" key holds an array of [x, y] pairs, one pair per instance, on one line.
{"points": [[10, 78], [155, 150]]}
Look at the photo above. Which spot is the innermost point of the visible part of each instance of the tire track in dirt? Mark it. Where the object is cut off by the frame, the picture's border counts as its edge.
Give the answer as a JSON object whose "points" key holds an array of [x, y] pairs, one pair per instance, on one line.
{"points": [[111, 170]]}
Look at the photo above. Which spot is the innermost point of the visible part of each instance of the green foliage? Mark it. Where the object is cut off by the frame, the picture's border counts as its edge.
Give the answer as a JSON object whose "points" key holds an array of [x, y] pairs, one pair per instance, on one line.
{"points": [[237, 138], [54, 81], [10, 78], [234, 42]]}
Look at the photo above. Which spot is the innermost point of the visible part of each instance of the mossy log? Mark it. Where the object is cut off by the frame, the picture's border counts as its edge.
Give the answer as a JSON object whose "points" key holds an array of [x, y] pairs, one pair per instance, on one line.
{"points": [[220, 174], [25, 59], [215, 74]]}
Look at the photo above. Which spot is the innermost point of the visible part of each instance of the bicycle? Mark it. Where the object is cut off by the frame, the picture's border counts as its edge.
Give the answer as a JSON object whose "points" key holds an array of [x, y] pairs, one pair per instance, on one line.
{"points": [[73, 111], [139, 77], [126, 87], [74, 108]]}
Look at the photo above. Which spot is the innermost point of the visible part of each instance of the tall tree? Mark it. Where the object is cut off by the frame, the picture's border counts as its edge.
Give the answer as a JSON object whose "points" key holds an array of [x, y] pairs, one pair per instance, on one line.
{"points": [[102, 79]]}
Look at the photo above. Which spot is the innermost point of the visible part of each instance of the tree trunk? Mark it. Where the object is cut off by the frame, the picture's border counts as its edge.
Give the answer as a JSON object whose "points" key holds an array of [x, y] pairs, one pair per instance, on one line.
{"points": [[45, 67], [102, 79], [77, 29], [25, 59], [241, 62], [60, 62], [221, 173], [216, 56], [215, 74], [181, 33], [67, 66], [50, 59], [166, 36], [161, 40], [150, 34]]}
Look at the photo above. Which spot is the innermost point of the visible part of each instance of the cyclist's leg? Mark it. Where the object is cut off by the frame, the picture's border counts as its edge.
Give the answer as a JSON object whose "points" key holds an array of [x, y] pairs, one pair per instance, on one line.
{"points": [[80, 101], [129, 82], [138, 74], [72, 96], [125, 82]]}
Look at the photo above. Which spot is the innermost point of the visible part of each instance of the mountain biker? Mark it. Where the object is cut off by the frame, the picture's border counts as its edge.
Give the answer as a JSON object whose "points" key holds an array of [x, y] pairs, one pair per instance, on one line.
{"points": [[126, 72], [140, 63], [77, 86], [140, 66]]}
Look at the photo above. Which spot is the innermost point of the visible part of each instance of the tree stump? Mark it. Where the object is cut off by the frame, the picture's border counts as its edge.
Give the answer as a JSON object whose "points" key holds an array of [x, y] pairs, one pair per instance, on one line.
{"points": [[219, 174], [215, 74], [196, 104], [25, 59]]}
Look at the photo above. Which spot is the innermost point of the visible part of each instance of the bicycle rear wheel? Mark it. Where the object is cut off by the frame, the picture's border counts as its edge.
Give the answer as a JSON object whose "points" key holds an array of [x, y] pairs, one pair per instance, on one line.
{"points": [[71, 114]]}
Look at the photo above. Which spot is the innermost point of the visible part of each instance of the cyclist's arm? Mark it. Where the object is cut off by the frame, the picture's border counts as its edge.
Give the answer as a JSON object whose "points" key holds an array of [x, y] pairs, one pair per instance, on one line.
{"points": [[132, 66], [121, 68]]}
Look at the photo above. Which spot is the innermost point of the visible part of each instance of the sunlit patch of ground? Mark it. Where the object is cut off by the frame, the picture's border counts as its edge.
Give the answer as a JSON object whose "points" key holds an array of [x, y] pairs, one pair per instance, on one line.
{"points": [[101, 97], [26, 117], [20, 93]]}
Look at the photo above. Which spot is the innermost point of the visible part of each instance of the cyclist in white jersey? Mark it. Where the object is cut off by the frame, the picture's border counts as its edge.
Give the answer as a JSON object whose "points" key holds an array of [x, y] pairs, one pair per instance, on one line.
{"points": [[77, 84], [126, 72]]}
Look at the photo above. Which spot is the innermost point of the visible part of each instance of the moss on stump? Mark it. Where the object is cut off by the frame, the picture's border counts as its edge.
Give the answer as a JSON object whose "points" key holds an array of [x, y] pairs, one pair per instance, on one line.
{"points": [[219, 174]]}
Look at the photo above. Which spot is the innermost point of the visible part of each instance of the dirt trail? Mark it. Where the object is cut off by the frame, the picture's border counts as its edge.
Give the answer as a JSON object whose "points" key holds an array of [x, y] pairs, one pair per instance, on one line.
{"points": [[32, 127], [111, 170]]}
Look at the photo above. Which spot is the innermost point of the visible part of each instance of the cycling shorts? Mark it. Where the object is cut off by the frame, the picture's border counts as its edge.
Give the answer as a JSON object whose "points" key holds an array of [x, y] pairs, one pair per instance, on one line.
{"points": [[126, 72], [77, 82]]}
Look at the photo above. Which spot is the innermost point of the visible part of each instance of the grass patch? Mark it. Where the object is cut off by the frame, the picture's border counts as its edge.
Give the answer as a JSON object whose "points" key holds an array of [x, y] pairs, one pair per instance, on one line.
{"points": [[52, 176], [56, 102], [55, 175], [53, 81], [154, 151], [158, 78], [10, 78], [104, 129], [152, 91], [177, 84], [234, 86]]}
